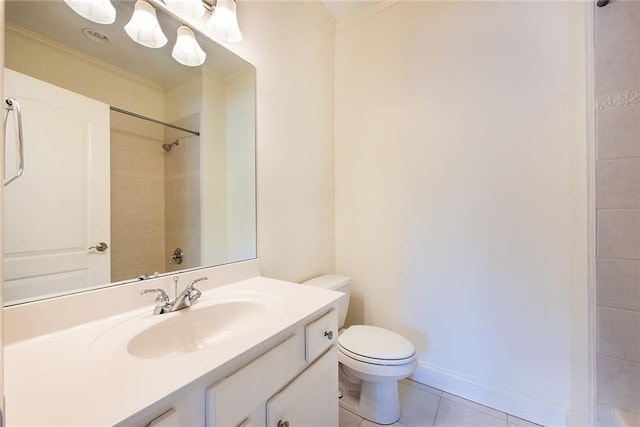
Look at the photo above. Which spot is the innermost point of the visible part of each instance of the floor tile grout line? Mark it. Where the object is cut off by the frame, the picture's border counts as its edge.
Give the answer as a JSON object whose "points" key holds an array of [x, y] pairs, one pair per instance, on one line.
{"points": [[437, 410]]}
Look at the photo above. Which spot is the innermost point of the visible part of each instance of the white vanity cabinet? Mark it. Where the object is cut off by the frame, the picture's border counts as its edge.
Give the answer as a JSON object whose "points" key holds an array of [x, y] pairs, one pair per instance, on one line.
{"points": [[282, 384], [241, 396], [311, 399]]}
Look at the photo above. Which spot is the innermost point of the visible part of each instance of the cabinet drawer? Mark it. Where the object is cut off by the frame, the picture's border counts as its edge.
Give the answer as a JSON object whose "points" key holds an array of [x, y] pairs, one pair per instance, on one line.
{"points": [[320, 335], [230, 400], [311, 400]]}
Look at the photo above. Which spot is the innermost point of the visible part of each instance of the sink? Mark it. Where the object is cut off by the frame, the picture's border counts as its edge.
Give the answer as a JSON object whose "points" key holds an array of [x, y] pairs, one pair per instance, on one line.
{"points": [[197, 328]]}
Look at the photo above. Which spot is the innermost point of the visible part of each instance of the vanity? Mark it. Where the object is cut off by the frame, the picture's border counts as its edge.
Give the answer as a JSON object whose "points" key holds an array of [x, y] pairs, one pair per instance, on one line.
{"points": [[252, 351]]}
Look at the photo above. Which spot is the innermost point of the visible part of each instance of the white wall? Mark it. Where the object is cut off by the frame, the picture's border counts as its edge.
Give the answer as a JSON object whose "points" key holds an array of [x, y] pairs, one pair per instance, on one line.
{"points": [[460, 208], [291, 45], [241, 164]]}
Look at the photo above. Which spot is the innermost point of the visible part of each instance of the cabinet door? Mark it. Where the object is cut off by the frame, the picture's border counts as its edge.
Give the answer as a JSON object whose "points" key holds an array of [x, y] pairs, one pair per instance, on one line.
{"points": [[240, 398], [311, 400]]}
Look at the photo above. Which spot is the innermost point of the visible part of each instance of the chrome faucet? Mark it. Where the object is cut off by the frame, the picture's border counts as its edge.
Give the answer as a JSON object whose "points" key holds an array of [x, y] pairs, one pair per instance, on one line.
{"points": [[186, 298]]}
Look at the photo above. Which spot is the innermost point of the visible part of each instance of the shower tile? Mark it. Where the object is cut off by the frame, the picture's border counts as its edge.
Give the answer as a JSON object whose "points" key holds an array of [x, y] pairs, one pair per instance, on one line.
{"points": [[619, 333], [617, 66], [603, 416], [618, 383], [618, 132], [618, 23], [618, 233], [618, 183], [618, 283]]}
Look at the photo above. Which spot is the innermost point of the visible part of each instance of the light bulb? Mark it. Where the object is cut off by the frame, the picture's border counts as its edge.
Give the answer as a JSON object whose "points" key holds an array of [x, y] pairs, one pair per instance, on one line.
{"points": [[144, 28], [187, 51], [193, 8], [223, 23], [98, 11]]}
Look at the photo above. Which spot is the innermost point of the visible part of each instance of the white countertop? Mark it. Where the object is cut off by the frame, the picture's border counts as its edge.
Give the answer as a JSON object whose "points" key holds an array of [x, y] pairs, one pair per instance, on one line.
{"points": [[84, 375]]}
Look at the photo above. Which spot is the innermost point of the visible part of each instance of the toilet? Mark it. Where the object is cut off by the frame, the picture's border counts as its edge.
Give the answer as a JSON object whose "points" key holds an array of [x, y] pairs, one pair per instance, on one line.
{"points": [[372, 359]]}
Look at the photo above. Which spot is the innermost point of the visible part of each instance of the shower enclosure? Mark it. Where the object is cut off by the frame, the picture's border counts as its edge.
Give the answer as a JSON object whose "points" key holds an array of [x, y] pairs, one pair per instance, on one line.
{"points": [[617, 202]]}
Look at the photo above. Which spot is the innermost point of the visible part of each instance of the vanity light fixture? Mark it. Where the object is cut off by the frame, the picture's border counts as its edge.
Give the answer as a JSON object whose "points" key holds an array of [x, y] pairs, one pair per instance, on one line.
{"points": [[192, 8], [144, 28], [223, 23], [98, 11], [187, 51]]}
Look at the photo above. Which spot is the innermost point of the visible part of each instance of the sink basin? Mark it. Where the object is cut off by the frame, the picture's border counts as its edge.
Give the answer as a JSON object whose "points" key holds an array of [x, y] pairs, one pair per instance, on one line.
{"points": [[197, 328], [200, 327]]}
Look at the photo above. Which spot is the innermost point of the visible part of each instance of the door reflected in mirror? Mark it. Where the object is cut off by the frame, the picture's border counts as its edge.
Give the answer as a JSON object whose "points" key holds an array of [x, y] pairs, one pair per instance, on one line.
{"points": [[94, 175]]}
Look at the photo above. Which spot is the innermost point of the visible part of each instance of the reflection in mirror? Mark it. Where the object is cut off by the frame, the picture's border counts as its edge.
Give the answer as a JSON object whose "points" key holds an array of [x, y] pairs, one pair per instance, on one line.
{"points": [[160, 198]]}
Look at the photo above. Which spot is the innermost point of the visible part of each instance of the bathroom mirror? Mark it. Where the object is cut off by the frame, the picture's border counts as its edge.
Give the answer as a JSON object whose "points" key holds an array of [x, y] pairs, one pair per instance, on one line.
{"points": [[108, 197]]}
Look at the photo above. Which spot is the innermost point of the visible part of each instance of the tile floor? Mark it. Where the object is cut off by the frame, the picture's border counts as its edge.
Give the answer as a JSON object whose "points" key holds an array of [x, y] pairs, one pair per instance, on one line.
{"points": [[422, 406]]}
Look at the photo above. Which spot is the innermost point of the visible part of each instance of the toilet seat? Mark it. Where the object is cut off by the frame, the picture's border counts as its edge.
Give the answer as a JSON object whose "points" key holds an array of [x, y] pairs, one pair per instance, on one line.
{"points": [[377, 346]]}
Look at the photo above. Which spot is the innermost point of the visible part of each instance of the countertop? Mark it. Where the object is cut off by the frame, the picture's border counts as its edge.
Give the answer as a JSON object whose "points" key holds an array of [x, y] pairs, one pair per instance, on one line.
{"points": [[84, 375]]}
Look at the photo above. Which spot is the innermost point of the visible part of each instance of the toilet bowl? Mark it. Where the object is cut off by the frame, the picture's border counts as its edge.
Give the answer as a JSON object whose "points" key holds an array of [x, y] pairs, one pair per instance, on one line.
{"points": [[372, 361]]}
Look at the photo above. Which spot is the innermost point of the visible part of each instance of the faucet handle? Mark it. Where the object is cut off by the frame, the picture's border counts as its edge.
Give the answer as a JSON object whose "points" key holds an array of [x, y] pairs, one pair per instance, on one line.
{"points": [[193, 282], [161, 295]]}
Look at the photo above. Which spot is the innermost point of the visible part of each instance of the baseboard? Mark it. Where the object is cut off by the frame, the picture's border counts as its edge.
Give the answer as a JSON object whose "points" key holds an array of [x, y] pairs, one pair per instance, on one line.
{"points": [[533, 409]]}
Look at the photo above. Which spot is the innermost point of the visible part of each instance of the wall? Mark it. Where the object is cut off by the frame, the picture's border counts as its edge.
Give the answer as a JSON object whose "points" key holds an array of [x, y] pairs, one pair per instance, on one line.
{"points": [[461, 182], [241, 164], [618, 204], [214, 169], [291, 46]]}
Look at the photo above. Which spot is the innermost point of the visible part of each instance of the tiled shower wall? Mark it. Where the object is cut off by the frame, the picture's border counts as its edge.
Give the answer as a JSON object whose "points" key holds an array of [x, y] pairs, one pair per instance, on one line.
{"points": [[182, 194], [155, 197], [137, 197], [618, 204]]}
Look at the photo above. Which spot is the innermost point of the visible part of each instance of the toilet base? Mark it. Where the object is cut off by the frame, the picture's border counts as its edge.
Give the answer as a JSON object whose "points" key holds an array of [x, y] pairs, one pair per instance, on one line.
{"points": [[379, 402], [374, 401]]}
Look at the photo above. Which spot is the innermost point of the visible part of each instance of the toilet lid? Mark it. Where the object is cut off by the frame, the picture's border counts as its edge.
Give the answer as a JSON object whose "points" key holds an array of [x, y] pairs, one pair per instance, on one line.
{"points": [[379, 345]]}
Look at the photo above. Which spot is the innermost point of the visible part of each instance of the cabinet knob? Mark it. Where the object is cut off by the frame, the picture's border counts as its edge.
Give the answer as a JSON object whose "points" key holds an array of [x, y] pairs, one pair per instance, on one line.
{"points": [[328, 334], [283, 423]]}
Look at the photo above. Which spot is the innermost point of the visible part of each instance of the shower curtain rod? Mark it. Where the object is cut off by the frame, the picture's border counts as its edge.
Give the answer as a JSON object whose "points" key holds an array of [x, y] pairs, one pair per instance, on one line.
{"points": [[149, 119]]}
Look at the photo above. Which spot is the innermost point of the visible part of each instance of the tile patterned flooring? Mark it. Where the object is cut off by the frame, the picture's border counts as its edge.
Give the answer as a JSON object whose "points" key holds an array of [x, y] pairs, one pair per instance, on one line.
{"points": [[422, 406]]}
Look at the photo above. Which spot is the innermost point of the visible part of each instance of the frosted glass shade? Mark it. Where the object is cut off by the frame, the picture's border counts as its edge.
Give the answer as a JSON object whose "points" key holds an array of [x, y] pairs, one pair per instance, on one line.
{"points": [[99, 11], [223, 23], [193, 8], [144, 28], [187, 51]]}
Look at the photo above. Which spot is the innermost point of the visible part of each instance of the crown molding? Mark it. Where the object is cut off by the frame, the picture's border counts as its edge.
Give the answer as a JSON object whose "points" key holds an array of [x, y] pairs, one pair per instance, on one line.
{"points": [[320, 11], [106, 66], [378, 9]]}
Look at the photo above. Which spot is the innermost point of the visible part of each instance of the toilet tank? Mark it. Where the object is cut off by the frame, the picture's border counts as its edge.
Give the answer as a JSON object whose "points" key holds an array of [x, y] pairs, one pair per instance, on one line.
{"points": [[335, 283]]}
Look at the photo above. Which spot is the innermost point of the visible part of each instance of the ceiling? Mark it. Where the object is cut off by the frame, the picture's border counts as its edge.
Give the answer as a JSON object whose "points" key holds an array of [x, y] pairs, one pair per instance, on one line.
{"points": [[342, 10]]}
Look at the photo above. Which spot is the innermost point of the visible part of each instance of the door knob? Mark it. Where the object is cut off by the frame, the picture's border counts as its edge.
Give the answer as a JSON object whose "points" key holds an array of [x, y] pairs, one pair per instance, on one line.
{"points": [[100, 247]]}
